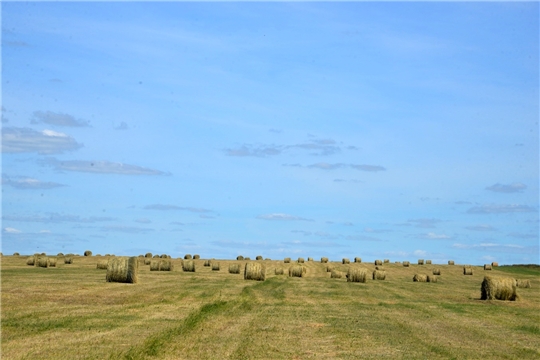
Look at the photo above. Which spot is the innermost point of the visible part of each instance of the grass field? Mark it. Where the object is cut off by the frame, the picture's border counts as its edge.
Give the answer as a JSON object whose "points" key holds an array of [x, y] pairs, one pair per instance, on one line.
{"points": [[71, 312]]}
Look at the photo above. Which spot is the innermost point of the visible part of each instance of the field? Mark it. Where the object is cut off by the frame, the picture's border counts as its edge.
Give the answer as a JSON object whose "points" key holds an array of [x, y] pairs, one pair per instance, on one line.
{"points": [[71, 312]]}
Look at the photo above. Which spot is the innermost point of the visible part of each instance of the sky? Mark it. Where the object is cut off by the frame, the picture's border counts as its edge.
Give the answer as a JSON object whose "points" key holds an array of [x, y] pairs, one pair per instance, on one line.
{"points": [[398, 131]]}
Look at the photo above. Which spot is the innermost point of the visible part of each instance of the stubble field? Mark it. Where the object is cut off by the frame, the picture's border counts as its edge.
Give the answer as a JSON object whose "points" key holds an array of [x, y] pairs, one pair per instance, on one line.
{"points": [[71, 312]]}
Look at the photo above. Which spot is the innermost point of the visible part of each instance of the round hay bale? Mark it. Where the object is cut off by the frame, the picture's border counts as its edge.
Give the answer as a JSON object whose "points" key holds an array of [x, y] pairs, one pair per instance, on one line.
{"points": [[345, 261], [386, 261], [279, 271], [140, 256], [254, 271], [60, 254], [437, 271], [148, 255], [498, 288], [523, 283], [239, 257], [234, 268], [122, 269], [207, 263], [335, 274], [324, 260], [494, 264], [378, 268], [428, 262], [154, 265], [357, 260], [297, 271], [87, 253], [420, 261], [188, 257], [419, 278], [450, 262], [166, 265], [97, 255], [196, 257], [378, 262], [68, 260], [215, 266], [329, 268], [102, 264], [52, 261], [188, 266], [247, 258], [267, 259], [301, 260], [15, 254], [487, 266], [406, 264], [309, 259], [164, 256], [258, 257], [30, 260], [43, 254], [356, 275], [467, 270], [287, 260], [379, 275], [43, 261], [147, 261], [155, 256], [431, 278]]}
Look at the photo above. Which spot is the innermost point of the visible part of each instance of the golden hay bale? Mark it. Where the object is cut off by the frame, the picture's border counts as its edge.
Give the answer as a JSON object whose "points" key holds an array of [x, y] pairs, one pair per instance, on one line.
{"points": [[357, 260], [420, 261], [419, 278], [379, 275], [450, 262], [335, 274], [60, 254], [378, 262], [148, 255], [279, 271], [215, 266], [43, 254], [523, 283], [494, 264], [324, 260], [188, 266], [102, 264], [247, 258], [467, 270], [147, 261], [436, 271], [154, 265], [287, 260], [196, 257], [87, 253], [386, 261], [30, 260], [122, 269], [329, 268], [406, 263], [498, 288], [234, 268], [155, 256], [309, 259], [239, 257], [267, 259], [258, 257], [356, 275], [428, 262], [487, 266], [188, 257], [15, 254], [345, 261], [254, 271], [52, 262], [166, 265], [431, 278], [207, 263], [301, 260], [43, 261], [297, 271], [68, 260], [378, 268], [164, 256]]}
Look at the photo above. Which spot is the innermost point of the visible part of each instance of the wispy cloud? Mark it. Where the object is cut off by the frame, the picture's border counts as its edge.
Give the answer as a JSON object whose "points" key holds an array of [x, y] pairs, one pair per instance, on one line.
{"points": [[434, 236], [511, 188], [56, 218], [126, 229], [424, 223], [480, 228], [58, 119], [21, 140], [494, 247], [334, 166], [523, 236], [21, 182], [317, 147], [165, 207], [257, 151], [282, 217], [10, 230], [100, 167], [501, 209]]}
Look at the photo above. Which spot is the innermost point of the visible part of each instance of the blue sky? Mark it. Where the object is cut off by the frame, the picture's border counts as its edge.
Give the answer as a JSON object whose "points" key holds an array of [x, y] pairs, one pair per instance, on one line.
{"points": [[379, 130]]}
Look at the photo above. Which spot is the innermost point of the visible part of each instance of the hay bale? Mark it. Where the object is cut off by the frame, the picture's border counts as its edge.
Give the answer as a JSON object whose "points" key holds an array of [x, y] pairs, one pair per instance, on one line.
{"points": [[309, 259], [215, 266], [297, 271], [379, 275], [357, 260], [155, 256], [60, 254], [345, 261], [254, 271], [378, 268], [523, 283], [267, 259], [122, 269], [147, 261], [102, 264], [436, 271], [188, 266], [52, 262], [97, 255], [207, 263], [164, 256], [287, 260], [68, 260], [386, 261], [234, 268], [356, 275], [279, 271], [494, 264], [378, 262], [258, 257], [335, 274], [498, 288], [247, 258], [196, 257], [329, 268], [43, 261], [154, 265], [431, 278], [30, 260], [419, 278], [487, 266], [406, 264], [467, 270], [87, 253], [15, 254], [420, 261], [188, 257], [239, 257], [166, 265], [148, 255], [450, 262], [301, 260], [324, 260], [428, 262]]}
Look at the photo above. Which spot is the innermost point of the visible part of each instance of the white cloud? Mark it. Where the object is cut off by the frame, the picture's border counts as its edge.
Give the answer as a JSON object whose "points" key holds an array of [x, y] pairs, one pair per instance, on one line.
{"points": [[28, 183], [424, 223], [56, 218], [101, 167], [165, 207], [284, 217], [511, 188], [10, 230], [58, 119], [21, 140], [420, 253], [434, 236], [480, 228], [500, 209]]}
